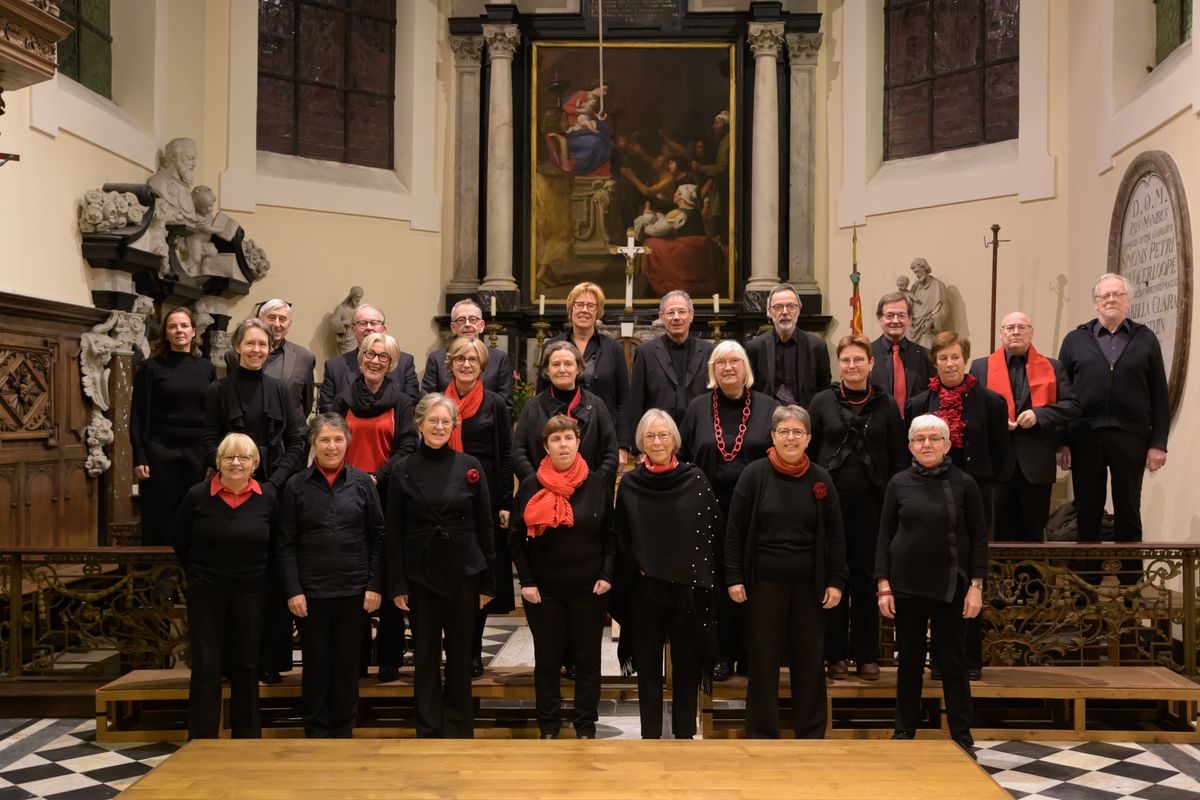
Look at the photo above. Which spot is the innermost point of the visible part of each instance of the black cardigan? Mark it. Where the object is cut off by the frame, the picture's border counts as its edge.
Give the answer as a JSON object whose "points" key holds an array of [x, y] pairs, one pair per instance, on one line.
{"points": [[598, 438], [700, 439], [330, 537], [280, 446], [228, 547], [833, 441], [986, 454], [925, 546], [168, 402], [609, 382]]}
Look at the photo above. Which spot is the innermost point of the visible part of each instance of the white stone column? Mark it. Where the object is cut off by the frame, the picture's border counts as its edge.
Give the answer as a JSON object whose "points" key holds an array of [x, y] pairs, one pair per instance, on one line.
{"points": [[802, 56], [765, 40], [502, 42], [467, 56]]}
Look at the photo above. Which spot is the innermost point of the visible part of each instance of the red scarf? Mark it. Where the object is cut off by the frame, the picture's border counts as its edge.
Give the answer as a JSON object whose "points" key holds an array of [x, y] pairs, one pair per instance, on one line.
{"points": [[467, 406], [550, 507], [575, 401], [657, 469], [950, 406], [794, 470], [330, 474], [1039, 372]]}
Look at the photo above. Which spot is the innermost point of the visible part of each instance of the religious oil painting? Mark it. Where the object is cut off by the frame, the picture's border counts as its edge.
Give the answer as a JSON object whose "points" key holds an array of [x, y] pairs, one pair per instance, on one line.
{"points": [[642, 142]]}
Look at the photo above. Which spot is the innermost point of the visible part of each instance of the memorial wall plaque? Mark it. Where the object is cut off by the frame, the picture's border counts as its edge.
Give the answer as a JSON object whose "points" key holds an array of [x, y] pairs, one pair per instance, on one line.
{"points": [[663, 15], [1149, 243]]}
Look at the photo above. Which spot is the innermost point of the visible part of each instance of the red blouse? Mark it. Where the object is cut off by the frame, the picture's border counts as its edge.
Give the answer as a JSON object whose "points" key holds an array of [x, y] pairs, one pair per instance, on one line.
{"points": [[370, 440]]}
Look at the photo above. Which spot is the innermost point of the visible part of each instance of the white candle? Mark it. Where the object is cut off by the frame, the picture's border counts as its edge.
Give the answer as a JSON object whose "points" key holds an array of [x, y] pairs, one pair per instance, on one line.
{"points": [[541, 305], [493, 307], [716, 304]]}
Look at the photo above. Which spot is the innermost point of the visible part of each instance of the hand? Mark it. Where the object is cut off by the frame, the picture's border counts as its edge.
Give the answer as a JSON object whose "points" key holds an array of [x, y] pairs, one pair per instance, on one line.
{"points": [[484, 599], [530, 594], [1063, 456], [371, 601], [1027, 419], [887, 606], [1012, 426], [833, 596], [601, 587], [374, 480], [504, 518], [622, 456], [298, 605], [737, 593], [1155, 459], [401, 601], [973, 603], [141, 472]]}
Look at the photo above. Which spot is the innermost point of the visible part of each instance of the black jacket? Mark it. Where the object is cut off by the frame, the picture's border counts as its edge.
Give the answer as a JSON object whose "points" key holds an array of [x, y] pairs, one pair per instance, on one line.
{"points": [[1132, 395], [498, 377], [609, 381], [986, 454], [281, 451], [879, 434], [654, 383], [341, 370], [330, 537], [598, 439], [812, 364], [918, 368], [1033, 448], [293, 366]]}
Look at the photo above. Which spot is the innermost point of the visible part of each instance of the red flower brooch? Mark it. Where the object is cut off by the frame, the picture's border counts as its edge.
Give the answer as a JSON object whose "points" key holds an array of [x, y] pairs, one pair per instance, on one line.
{"points": [[472, 476], [820, 490]]}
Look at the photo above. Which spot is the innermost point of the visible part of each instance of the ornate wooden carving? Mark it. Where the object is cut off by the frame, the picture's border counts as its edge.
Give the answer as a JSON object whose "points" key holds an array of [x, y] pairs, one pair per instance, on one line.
{"points": [[27, 392], [29, 31]]}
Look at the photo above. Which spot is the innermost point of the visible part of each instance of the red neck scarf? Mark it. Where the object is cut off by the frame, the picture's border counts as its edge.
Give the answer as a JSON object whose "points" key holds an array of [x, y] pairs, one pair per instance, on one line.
{"points": [[794, 470], [550, 507], [467, 406], [330, 474], [950, 406], [657, 469], [1039, 372]]}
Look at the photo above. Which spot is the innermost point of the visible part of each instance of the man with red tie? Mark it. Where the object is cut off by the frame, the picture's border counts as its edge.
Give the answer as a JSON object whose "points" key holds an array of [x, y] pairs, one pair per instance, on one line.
{"points": [[1040, 404], [902, 366]]}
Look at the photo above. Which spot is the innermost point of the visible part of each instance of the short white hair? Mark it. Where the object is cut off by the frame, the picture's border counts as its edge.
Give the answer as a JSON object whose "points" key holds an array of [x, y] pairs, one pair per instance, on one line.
{"points": [[929, 422], [658, 415], [1109, 276], [273, 304]]}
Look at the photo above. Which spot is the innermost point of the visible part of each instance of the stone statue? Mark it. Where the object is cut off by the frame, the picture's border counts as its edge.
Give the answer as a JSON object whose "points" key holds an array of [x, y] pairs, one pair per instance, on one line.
{"points": [[930, 309], [103, 211], [99, 434], [122, 332], [256, 257], [342, 320]]}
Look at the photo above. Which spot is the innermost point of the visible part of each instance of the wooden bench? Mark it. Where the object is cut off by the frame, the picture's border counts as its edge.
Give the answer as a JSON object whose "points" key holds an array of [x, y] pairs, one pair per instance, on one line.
{"points": [[1128, 704], [151, 705]]}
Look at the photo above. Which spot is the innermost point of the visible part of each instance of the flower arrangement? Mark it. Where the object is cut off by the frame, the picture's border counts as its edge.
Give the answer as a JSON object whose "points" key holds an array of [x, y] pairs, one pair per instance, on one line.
{"points": [[522, 391]]}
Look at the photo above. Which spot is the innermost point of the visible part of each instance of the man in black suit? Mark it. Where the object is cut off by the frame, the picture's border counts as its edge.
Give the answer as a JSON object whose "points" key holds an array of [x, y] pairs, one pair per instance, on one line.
{"points": [[342, 370], [287, 362], [466, 320], [672, 369], [1040, 404], [894, 315], [789, 364]]}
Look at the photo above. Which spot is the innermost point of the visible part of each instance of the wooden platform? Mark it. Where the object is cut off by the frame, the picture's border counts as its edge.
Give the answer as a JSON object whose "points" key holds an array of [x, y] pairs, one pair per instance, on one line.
{"points": [[1077, 703], [566, 770]]}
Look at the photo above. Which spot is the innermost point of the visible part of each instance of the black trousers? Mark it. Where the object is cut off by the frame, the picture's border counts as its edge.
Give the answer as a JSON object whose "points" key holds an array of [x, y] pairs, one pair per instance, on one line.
{"points": [[444, 710], [223, 629], [329, 638], [731, 616], [1022, 509], [1095, 456], [945, 622], [858, 613], [275, 653], [579, 619], [656, 623], [785, 621], [173, 470]]}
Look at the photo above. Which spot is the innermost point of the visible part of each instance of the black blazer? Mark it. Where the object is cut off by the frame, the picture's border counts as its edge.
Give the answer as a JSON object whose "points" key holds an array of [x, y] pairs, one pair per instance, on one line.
{"points": [[654, 383], [498, 377], [598, 442], [341, 370], [812, 364], [293, 367], [281, 452], [986, 454], [1033, 448], [918, 368], [609, 382]]}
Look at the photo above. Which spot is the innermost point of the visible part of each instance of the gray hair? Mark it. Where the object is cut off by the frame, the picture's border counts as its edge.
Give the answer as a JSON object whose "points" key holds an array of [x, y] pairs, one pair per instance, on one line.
{"points": [[271, 305], [364, 306], [791, 411], [928, 422], [658, 415], [329, 419], [432, 401], [252, 322], [662, 303], [728, 347], [784, 287], [466, 301], [1109, 275]]}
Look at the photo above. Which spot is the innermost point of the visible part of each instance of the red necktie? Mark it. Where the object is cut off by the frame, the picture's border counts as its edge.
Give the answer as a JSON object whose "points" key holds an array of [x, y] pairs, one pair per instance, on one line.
{"points": [[900, 389]]}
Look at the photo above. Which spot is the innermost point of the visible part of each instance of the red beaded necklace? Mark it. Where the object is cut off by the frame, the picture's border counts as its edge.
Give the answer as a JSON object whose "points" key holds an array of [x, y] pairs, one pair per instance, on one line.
{"points": [[842, 389], [730, 455]]}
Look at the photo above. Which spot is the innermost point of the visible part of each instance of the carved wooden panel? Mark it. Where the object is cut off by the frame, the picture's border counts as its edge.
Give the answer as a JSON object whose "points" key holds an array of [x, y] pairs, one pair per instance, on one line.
{"points": [[9, 494], [77, 506], [41, 502], [27, 391]]}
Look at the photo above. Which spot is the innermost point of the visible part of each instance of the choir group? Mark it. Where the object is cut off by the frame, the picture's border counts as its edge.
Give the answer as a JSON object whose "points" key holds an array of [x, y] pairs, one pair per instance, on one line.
{"points": [[764, 513]]}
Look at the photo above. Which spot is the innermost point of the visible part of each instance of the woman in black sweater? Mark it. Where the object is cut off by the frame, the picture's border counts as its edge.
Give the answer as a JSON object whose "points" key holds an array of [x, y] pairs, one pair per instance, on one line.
{"points": [[222, 534], [440, 553], [563, 544], [857, 435], [930, 568], [786, 560], [562, 366], [330, 554], [723, 432], [166, 421], [666, 520], [249, 402]]}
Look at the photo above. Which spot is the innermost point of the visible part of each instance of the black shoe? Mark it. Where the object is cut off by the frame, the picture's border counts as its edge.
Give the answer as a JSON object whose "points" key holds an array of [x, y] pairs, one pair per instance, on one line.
{"points": [[968, 747], [904, 735], [550, 735], [935, 674], [476, 666], [722, 669], [974, 674], [569, 672], [388, 674], [269, 677], [585, 736]]}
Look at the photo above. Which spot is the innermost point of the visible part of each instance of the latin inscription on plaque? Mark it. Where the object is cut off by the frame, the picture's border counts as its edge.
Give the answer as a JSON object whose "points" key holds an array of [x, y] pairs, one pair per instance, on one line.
{"points": [[661, 14], [1150, 259]]}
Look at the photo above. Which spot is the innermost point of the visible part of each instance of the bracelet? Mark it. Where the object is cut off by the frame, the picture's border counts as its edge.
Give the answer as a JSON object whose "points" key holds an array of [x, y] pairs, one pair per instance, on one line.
{"points": [[884, 593]]}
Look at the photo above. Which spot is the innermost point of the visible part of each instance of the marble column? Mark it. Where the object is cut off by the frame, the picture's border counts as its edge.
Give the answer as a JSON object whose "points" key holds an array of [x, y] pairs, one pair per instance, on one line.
{"points": [[765, 40], [467, 56], [502, 42], [802, 56]]}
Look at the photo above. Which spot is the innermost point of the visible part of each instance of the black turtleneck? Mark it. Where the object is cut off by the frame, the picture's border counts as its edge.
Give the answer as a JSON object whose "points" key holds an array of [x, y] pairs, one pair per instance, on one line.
{"points": [[433, 476], [168, 401], [249, 385], [564, 396]]}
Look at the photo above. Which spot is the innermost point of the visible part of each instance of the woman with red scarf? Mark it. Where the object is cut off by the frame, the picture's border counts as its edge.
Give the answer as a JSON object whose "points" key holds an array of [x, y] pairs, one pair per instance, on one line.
{"points": [[484, 431], [979, 445], [785, 558], [563, 544]]}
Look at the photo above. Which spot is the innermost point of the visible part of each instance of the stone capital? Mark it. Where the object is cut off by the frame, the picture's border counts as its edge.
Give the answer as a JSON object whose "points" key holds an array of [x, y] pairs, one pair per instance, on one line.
{"points": [[765, 38], [467, 50], [502, 40], [803, 48]]}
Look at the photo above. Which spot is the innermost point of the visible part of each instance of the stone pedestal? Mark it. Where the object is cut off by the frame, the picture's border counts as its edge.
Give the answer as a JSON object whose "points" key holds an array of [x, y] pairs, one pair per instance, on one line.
{"points": [[502, 42], [765, 39], [802, 57], [467, 56]]}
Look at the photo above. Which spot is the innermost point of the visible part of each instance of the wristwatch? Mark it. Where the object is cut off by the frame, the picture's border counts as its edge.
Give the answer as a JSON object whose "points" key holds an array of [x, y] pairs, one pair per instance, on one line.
{"points": [[977, 585]]}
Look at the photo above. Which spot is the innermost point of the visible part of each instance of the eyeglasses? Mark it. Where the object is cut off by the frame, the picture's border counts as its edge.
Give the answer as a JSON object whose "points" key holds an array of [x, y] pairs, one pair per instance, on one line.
{"points": [[465, 359], [471, 320], [371, 355], [1015, 328], [789, 307], [1112, 295], [578, 306], [665, 436], [895, 316], [727, 362], [237, 459], [368, 323], [791, 433], [852, 361], [276, 318], [440, 423], [936, 438]]}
